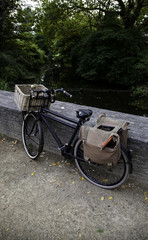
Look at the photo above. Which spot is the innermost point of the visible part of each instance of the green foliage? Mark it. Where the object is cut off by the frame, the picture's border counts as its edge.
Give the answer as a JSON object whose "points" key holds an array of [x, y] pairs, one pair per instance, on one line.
{"points": [[140, 94], [141, 91], [20, 65], [111, 56], [3, 84], [99, 41], [60, 30], [11, 71], [6, 19], [94, 41]]}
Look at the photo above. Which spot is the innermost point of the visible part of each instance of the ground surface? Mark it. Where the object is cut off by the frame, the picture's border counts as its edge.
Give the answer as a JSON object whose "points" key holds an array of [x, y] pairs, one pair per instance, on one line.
{"points": [[48, 199]]}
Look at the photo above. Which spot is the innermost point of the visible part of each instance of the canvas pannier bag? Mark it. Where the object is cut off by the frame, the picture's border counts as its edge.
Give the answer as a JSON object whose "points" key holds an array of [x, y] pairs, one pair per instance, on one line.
{"points": [[102, 142], [94, 141]]}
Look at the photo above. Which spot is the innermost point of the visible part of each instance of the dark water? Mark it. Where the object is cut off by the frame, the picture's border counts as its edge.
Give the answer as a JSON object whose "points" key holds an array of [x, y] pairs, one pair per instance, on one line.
{"points": [[112, 100]]}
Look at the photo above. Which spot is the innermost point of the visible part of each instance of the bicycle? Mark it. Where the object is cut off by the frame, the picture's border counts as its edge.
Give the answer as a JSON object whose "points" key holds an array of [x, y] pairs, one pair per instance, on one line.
{"points": [[32, 134]]}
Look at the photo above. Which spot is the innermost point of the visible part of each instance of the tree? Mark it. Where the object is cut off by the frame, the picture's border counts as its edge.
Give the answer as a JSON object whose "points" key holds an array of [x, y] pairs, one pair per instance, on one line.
{"points": [[7, 7], [128, 10], [21, 58], [60, 30], [96, 40], [93, 40]]}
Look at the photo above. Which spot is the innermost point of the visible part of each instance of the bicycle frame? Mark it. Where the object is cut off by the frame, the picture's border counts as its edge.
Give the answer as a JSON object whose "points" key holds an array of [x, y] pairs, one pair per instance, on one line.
{"points": [[46, 114], [32, 136]]}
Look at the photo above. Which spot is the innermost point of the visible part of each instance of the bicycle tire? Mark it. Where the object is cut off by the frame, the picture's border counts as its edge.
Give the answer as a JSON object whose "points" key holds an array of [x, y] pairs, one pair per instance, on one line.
{"points": [[102, 175], [32, 136]]}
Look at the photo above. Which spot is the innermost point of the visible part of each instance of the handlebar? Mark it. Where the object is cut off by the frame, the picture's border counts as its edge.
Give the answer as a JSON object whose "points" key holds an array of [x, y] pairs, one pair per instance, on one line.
{"points": [[63, 91], [47, 94]]}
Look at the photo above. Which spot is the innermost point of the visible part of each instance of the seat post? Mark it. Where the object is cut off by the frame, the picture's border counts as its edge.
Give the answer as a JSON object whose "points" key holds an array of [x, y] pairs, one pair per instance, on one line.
{"points": [[79, 124]]}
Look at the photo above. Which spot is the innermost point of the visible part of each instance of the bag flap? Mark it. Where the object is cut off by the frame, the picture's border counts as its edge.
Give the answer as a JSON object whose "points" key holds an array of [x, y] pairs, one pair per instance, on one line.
{"points": [[96, 137]]}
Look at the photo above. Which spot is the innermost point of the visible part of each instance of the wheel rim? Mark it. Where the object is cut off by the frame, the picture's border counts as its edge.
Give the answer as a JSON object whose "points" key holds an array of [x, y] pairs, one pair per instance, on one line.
{"points": [[31, 136], [102, 175]]}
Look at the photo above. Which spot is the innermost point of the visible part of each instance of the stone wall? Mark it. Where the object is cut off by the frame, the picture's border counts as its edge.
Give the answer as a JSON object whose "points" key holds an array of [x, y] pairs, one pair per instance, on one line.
{"points": [[11, 119]]}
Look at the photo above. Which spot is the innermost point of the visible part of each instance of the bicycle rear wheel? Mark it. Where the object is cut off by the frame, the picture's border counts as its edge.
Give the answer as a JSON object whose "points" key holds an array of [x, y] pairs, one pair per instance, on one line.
{"points": [[32, 136], [107, 177]]}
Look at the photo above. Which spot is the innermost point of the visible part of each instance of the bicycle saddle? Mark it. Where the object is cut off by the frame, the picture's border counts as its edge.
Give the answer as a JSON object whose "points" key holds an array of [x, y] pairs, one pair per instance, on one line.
{"points": [[84, 114]]}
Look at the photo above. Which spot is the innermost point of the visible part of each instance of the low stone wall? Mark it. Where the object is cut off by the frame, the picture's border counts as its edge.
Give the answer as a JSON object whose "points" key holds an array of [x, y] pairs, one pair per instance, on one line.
{"points": [[11, 120]]}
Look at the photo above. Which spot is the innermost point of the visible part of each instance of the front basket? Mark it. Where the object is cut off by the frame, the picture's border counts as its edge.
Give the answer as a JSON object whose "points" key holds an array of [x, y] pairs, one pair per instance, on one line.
{"points": [[23, 100]]}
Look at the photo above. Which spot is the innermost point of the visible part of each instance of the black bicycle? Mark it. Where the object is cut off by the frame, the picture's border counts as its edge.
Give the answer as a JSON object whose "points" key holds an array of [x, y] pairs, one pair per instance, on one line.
{"points": [[104, 176]]}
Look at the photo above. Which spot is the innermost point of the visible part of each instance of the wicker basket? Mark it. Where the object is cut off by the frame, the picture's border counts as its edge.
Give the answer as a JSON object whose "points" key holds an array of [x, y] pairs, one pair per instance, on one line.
{"points": [[23, 100]]}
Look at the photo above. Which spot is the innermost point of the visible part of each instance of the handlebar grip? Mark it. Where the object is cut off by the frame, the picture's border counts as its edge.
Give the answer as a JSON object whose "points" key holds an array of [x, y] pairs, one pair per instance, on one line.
{"points": [[63, 91], [68, 94]]}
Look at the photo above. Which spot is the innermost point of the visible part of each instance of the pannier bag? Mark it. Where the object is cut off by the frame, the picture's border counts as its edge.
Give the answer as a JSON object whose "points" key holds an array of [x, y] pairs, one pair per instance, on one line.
{"points": [[102, 142]]}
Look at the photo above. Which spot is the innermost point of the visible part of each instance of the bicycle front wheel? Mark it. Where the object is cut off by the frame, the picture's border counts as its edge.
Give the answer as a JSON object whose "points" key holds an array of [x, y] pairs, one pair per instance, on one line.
{"points": [[107, 177], [32, 136]]}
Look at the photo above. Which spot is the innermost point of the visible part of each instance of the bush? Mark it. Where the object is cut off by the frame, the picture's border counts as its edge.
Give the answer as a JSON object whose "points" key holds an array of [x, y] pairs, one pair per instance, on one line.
{"points": [[22, 65]]}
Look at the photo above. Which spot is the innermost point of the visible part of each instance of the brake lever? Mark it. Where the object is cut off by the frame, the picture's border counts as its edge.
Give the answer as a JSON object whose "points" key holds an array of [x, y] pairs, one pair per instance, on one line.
{"points": [[32, 94]]}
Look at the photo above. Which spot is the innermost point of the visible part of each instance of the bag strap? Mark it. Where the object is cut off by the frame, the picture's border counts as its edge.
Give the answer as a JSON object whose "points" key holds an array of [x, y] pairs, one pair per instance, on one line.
{"points": [[85, 133], [116, 128], [100, 119]]}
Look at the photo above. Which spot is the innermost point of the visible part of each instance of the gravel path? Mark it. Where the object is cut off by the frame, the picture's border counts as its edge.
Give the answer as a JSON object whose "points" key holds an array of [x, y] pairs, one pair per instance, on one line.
{"points": [[48, 199]]}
